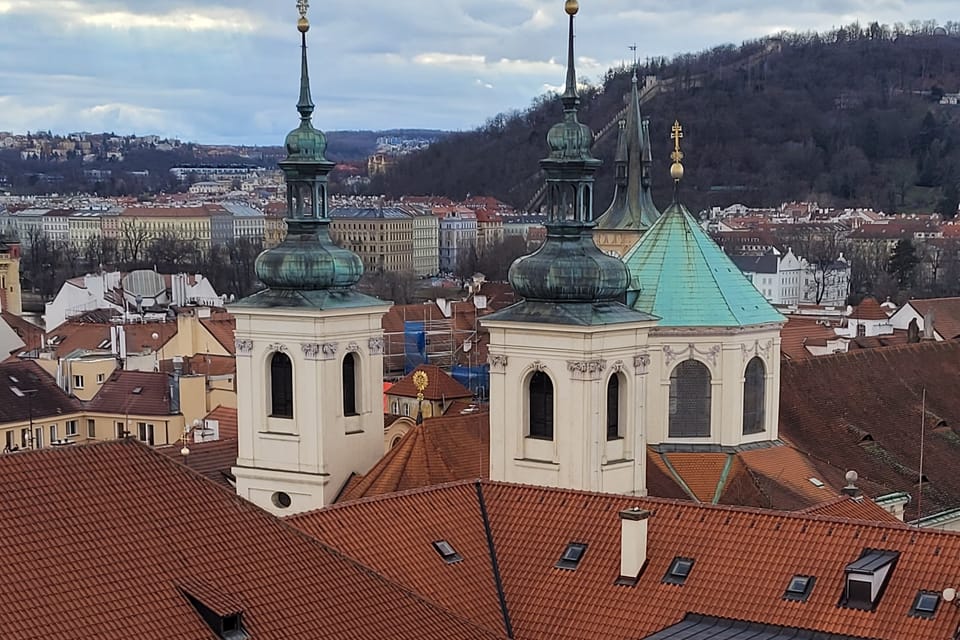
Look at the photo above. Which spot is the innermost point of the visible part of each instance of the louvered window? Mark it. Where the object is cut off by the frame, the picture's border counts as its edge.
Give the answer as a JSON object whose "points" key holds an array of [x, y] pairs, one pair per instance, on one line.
{"points": [[690, 401], [754, 398], [541, 406]]}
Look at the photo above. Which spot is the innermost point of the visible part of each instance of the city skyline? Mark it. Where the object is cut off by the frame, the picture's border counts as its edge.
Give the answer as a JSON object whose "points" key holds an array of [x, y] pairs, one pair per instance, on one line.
{"points": [[213, 73]]}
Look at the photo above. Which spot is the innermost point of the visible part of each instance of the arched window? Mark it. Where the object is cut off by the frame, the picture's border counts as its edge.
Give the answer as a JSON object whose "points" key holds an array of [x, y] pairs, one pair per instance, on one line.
{"points": [[690, 401], [754, 397], [541, 406], [350, 370], [281, 386], [614, 389]]}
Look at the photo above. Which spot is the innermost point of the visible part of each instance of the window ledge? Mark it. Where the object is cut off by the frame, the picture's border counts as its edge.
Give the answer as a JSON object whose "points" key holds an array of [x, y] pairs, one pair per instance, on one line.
{"points": [[625, 462], [532, 462]]}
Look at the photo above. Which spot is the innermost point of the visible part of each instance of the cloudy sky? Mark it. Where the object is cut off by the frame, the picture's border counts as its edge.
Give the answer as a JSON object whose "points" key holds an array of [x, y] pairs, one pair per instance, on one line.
{"points": [[225, 71]]}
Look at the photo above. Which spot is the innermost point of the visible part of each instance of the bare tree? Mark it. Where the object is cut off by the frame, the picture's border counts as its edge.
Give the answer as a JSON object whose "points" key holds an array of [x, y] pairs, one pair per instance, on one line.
{"points": [[133, 241]]}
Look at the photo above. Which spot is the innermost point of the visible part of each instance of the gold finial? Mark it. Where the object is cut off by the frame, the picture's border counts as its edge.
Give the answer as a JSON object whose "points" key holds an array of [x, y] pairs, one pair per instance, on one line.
{"points": [[420, 381], [303, 25], [676, 169], [571, 7]]}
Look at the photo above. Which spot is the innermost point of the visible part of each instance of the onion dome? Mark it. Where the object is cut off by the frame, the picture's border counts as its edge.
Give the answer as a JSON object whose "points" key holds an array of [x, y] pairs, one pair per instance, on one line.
{"points": [[308, 261]]}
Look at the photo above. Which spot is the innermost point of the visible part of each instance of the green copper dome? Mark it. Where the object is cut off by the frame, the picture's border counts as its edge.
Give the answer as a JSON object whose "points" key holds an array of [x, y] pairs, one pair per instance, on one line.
{"points": [[570, 140], [569, 267], [306, 144], [308, 260], [681, 275]]}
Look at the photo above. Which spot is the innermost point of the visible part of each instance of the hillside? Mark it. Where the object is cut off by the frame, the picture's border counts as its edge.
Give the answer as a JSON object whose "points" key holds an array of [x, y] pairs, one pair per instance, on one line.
{"points": [[850, 117]]}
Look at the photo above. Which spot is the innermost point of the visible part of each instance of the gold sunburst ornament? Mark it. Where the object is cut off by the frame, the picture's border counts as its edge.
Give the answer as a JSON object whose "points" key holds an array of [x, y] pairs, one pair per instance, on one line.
{"points": [[676, 169], [420, 381]]}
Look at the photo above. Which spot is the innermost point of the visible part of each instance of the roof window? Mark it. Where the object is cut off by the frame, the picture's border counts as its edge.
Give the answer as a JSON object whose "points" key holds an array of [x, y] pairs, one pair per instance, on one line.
{"points": [[572, 556], [867, 578], [925, 605], [137, 391], [679, 571], [222, 615], [447, 552], [799, 588]]}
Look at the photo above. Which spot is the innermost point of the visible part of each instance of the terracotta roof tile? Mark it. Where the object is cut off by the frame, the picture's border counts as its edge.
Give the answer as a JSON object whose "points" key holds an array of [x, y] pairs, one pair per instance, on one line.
{"points": [[17, 403], [150, 527], [227, 418], [71, 336], [441, 385], [849, 509], [869, 309], [702, 473], [135, 392], [222, 326], [531, 527], [799, 331], [862, 411]]}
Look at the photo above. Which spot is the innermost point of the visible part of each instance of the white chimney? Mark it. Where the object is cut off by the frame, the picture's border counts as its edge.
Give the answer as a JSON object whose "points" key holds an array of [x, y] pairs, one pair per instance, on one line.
{"points": [[633, 544]]}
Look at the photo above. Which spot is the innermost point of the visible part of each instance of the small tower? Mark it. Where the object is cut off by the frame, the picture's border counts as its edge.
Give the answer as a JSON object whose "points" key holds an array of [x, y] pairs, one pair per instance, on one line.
{"points": [[567, 363], [309, 347], [632, 210], [715, 354]]}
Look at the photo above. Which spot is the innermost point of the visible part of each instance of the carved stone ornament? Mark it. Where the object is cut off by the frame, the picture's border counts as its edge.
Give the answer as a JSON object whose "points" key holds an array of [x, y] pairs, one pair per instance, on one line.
{"points": [[538, 366], [353, 347], [641, 363], [375, 346], [277, 347], [311, 350], [498, 362], [586, 369], [329, 350], [671, 355], [617, 367], [244, 347]]}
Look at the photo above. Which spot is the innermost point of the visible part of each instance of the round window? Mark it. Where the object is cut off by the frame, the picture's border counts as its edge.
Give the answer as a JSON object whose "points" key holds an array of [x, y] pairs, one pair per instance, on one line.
{"points": [[281, 500]]}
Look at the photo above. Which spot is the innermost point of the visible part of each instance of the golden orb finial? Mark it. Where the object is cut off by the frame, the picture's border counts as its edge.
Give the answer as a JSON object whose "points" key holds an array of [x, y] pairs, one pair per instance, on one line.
{"points": [[676, 169], [571, 7], [303, 25]]}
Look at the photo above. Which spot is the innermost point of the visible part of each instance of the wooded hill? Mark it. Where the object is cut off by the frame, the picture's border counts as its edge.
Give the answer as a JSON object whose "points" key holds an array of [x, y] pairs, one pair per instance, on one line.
{"points": [[848, 118]]}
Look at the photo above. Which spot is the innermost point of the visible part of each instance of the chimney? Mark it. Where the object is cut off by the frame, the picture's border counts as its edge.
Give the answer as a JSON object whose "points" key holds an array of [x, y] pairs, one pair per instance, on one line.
{"points": [[928, 326], [633, 544]]}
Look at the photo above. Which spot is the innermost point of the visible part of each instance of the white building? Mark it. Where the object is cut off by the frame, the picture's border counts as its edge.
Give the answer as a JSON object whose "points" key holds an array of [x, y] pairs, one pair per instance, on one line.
{"points": [[458, 233]]}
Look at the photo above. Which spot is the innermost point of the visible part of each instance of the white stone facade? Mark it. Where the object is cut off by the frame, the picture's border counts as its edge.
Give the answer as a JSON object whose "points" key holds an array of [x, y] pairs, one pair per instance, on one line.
{"points": [[305, 461]]}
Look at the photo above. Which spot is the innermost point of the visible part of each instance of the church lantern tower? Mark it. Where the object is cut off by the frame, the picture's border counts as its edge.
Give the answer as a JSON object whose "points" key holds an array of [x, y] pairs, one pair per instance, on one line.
{"points": [[309, 346], [568, 362]]}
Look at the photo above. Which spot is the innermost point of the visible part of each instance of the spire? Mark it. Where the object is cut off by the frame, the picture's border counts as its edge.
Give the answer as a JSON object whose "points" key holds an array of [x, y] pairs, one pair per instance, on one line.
{"points": [[570, 98], [676, 169], [305, 105]]}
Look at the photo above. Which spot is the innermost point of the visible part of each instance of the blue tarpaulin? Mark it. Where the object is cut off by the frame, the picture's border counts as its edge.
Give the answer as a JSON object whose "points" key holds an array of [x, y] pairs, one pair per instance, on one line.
{"points": [[477, 379], [414, 345]]}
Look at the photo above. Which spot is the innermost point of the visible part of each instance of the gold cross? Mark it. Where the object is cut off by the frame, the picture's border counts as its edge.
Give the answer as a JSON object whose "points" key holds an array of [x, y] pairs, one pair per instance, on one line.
{"points": [[302, 6], [676, 134]]}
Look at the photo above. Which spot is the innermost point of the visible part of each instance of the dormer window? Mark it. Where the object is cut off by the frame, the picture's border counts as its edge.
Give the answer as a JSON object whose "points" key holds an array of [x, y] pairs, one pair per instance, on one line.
{"points": [[799, 588], [867, 577], [572, 556], [220, 613], [679, 571]]}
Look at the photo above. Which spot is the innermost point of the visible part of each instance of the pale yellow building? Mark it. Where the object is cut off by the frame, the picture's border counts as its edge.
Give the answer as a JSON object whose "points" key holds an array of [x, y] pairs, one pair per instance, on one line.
{"points": [[382, 236], [10, 295]]}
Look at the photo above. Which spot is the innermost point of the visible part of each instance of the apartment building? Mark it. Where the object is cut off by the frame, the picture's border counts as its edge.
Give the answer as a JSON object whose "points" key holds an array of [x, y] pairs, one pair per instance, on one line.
{"points": [[381, 236]]}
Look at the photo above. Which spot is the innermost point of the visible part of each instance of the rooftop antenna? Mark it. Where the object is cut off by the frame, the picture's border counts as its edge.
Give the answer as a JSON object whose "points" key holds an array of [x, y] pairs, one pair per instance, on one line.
{"points": [[923, 415]]}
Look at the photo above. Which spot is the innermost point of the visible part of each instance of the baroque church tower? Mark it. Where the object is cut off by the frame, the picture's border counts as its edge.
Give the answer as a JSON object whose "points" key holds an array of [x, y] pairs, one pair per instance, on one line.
{"points": [[567, 379], [309, 347]]}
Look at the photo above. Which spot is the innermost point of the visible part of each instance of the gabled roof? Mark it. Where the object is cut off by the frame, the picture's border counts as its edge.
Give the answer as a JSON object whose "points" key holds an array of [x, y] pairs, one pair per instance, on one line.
{"points": [[946, 315], [441, 450], [869, 309], [222, 327], [151, 529], [863, 410], [27, 390], [441, 385], [529, 528], [680, 275], [133, 392]]}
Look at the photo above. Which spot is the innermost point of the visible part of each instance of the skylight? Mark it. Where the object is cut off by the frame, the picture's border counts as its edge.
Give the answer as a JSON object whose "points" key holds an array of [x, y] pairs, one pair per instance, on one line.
{"points": [[447, 552], [17, 392], [679, 571], [137, 390], [925, 604], [799, 588], [572, 556]]}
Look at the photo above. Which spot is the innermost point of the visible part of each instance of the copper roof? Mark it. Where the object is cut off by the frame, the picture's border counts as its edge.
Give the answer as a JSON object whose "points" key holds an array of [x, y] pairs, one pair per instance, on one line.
{"points": [[149, 530]]}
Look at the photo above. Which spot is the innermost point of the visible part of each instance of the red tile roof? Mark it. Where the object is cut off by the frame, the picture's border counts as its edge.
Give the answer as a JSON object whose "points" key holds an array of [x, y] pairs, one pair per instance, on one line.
{"points": [[441, 450], [227, 419], [71, 336], [862, 411], [27, 331], [47, 399], [798, 332], [222, 326], [133, 392], [441, 385], [743, 561], [149, 529], [869, 309], [850, 509]]}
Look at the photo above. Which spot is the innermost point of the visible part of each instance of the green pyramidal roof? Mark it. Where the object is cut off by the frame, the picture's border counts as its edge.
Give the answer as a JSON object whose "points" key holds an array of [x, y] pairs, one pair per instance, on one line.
{"points": [[679, 274]]}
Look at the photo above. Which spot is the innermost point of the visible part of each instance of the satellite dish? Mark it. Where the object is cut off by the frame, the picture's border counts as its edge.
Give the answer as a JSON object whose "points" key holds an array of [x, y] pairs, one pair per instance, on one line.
{"points": [[949, 594]]}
